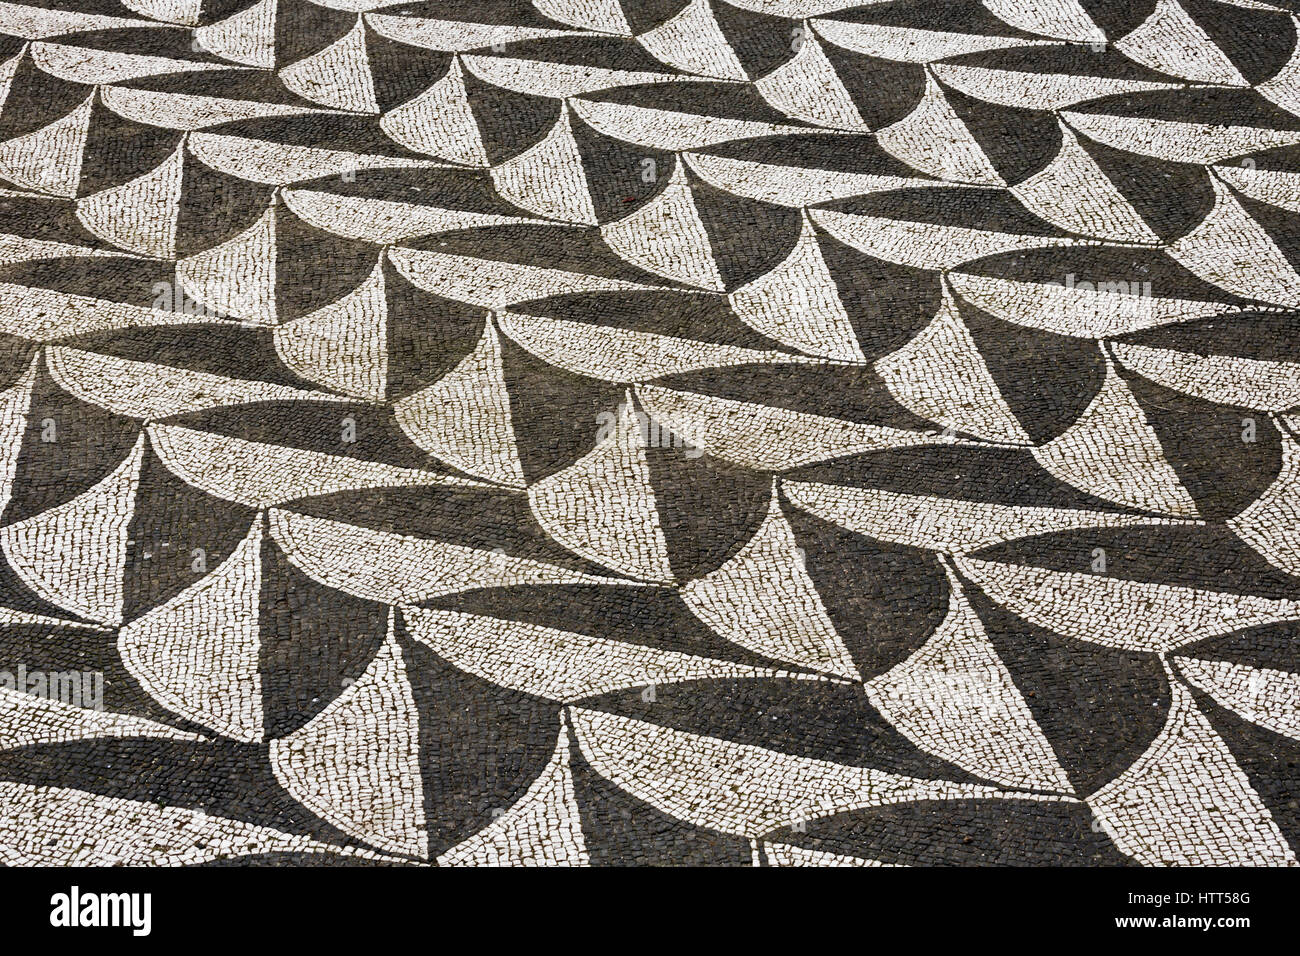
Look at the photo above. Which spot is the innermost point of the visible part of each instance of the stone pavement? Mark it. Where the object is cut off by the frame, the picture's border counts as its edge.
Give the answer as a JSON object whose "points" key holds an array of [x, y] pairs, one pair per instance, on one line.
{"points": [[691, 432]]}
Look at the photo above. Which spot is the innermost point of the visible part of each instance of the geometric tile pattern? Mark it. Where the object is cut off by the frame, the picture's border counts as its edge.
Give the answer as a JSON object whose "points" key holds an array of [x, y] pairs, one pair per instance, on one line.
{"points": [[694, 432]]}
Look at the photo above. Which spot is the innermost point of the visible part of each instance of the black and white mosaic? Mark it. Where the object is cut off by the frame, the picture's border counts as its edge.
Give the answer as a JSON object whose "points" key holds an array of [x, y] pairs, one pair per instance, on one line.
{"points": [[688, 432]]}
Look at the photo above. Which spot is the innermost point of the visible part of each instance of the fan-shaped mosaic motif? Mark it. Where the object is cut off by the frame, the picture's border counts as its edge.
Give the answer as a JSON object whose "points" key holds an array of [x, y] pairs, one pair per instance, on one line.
{"points": [[709, 432]]}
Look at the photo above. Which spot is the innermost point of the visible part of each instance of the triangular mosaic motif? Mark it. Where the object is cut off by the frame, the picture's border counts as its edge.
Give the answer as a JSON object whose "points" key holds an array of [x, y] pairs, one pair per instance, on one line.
{"points": [[677, 432]]}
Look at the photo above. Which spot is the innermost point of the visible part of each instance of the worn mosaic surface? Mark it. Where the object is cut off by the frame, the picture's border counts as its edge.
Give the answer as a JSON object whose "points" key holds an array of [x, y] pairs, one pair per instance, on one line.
{"points": [[770, 432]]}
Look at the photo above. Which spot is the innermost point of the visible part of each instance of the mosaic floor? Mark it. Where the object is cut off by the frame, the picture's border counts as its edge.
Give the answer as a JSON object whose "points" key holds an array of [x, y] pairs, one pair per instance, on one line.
{"points": [[690, 432]]}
